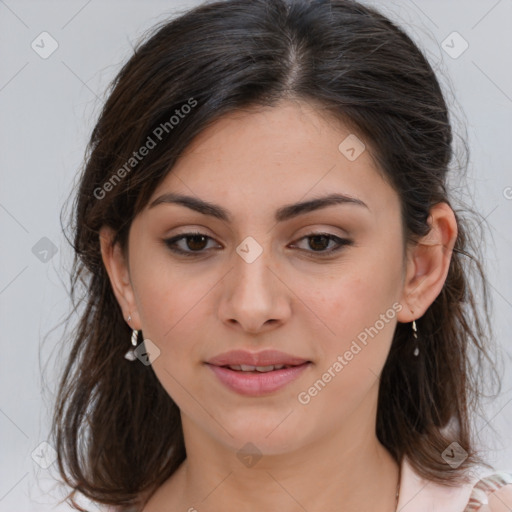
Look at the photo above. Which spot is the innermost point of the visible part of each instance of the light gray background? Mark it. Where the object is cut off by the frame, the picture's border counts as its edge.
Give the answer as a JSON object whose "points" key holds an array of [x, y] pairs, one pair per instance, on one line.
{"points": [[49, 107]]}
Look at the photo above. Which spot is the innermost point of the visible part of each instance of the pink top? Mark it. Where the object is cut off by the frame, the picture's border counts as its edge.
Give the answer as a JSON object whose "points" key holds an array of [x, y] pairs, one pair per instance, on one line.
{"points": [[491, 493]]}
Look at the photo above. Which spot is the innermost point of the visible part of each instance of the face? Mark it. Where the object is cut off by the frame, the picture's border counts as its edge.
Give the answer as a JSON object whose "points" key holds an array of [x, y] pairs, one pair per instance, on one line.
{"points": [[324, 285]]}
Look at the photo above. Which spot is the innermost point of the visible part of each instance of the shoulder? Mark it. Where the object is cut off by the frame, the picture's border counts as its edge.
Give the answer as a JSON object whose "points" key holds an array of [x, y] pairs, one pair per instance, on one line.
{"points": [[492, 493]]}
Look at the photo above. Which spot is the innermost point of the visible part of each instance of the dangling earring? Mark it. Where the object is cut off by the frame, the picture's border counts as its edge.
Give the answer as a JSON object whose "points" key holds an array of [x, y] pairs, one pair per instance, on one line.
{"points": [[130, 355], [415, 335]]}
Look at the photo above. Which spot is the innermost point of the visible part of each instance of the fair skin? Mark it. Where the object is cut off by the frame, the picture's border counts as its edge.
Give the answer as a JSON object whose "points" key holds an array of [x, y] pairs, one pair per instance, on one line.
{"points": [[318, 455]]}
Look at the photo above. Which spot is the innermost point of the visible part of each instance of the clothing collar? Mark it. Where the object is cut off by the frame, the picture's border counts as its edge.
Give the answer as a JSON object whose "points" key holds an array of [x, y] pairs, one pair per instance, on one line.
{"points": [[420, 495]]}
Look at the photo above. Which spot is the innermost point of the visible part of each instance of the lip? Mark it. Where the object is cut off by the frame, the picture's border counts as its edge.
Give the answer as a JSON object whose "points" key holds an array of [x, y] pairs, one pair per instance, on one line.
{"points": [[263, 358], [257, 383]]}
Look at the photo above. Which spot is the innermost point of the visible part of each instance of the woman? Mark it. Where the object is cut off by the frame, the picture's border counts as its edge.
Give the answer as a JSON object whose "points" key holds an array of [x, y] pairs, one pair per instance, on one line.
{"points": [[263, 217]]}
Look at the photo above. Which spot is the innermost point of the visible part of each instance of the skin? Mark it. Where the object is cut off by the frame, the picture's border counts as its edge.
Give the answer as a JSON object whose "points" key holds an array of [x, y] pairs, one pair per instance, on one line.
{"points": [[290, 298]]}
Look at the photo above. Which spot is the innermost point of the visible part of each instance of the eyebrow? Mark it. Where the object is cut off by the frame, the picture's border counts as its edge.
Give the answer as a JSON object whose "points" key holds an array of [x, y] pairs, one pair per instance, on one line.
{"points": [[282, 214]]}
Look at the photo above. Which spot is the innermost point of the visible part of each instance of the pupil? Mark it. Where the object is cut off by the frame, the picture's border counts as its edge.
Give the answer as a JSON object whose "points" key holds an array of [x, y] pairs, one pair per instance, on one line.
{"points": [[195, 237], [316, 237]]}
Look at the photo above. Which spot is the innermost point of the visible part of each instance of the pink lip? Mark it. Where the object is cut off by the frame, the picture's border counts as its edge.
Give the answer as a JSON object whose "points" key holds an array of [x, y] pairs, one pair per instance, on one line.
{"points": [[263, 358], [256, 384]]}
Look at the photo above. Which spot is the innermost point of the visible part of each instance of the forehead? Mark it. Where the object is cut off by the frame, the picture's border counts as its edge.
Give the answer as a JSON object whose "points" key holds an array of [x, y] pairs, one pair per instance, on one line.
{"points": [[265, 157]]}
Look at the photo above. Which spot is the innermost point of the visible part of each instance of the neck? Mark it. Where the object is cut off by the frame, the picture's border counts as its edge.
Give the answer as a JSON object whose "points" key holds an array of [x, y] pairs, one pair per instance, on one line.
{"points": [[351, 468], [362, 482]]}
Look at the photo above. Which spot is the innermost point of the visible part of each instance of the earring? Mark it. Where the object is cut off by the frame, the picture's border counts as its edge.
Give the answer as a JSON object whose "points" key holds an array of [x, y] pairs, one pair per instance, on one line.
{"points": [[415, 335], [130, 355]]}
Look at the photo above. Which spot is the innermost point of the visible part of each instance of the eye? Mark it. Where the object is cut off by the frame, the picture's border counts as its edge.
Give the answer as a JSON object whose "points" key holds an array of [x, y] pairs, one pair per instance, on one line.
{"points": [[319, 242], [196, 243]]}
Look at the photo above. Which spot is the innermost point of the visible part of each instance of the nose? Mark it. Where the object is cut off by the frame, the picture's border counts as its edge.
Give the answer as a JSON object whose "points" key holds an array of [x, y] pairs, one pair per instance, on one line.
{"points": [[254, 296]]}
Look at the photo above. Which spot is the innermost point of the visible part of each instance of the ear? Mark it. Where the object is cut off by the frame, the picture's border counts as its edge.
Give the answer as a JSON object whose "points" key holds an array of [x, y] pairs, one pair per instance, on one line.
{"points": [[118, 272], [428, 263]]}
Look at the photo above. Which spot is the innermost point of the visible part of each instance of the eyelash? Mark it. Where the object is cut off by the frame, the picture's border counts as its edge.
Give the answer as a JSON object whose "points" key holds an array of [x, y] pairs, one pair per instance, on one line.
{"points": [[170, 243]]}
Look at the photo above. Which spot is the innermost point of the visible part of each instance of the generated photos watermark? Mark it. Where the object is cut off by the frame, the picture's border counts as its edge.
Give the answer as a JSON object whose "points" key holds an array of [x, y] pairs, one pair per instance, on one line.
{"points": [[151, 142], [305, 397]]}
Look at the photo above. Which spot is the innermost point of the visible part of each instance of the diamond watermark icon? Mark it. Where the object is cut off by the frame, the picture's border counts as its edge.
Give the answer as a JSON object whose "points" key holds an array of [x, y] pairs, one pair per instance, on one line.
{"points": [[249, 455], [249, 249], [147, 352], [454, 455], [454, 45], [352, 147], [44, 249], [44, 455], [44, 45]]}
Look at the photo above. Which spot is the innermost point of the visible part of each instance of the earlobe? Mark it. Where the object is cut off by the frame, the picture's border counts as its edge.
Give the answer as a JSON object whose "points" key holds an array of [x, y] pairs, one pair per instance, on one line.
{"points": [[117, 270], [428, 263]]}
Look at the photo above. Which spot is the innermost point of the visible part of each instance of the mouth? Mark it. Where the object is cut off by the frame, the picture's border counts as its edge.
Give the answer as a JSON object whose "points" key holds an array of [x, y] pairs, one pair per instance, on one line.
{"points": [[246, 368], [253, 381], [264, 361]]}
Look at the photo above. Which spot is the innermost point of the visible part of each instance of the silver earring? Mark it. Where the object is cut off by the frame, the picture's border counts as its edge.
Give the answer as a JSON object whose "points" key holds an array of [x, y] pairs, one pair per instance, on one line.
{"points": [[130, 355], [415, 335]]}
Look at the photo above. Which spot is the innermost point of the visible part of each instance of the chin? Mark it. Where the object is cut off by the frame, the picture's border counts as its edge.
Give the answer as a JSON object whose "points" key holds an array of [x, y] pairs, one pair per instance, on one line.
{"points": [[268, 438]]}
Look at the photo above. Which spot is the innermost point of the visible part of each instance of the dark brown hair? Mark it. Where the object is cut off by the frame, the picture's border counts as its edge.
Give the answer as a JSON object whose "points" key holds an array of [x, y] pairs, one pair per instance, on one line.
{"points": [[354, 64]]}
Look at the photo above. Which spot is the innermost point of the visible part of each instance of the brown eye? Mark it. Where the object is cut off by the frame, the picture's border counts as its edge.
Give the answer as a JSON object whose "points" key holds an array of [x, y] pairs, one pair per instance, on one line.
{"points": [[319, 243], [195, 244], [198, 242]]}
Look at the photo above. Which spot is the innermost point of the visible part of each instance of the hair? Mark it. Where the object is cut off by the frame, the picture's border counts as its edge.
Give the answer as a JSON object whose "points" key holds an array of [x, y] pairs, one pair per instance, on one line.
{"points": [[357, 66]]}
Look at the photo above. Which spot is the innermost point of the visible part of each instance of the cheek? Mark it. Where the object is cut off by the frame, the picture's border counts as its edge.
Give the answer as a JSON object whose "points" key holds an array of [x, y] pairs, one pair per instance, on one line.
{"points": [[359, 312], [167, 298], [169, 305], [362, 318], [177, 313], [172, 305]]}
